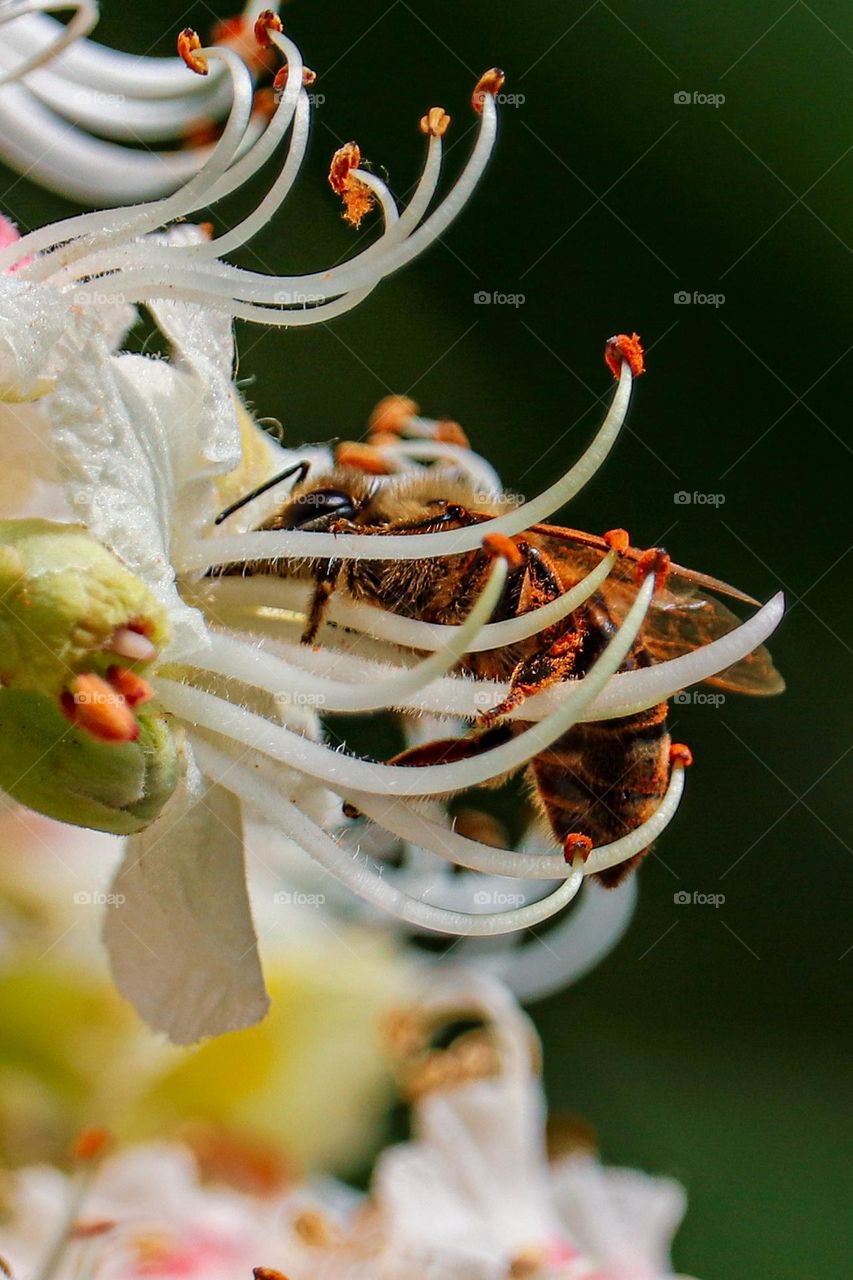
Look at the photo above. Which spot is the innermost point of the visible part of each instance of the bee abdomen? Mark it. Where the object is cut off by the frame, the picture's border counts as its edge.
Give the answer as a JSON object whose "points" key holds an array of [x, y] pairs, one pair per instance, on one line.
{"points": [[605, 779]]}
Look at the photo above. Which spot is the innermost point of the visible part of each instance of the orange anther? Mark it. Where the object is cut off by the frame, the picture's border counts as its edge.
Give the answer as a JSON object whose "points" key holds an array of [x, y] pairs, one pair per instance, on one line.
{"points": [[448, 432], [435, 123], [132, 687], [91, 1145], [491, 82], [576, 845], [680, 754], [266, 21], [188, 44], [654, 561], [281, 77], [361, 457], [95, 706], [617, 540], [622, 347], [268, 1273], [498, 544], [357, 196], [391, 416]]}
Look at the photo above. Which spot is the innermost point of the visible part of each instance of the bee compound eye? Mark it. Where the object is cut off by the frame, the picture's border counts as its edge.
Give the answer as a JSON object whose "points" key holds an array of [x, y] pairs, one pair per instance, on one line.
{"points": [[320, 504]]}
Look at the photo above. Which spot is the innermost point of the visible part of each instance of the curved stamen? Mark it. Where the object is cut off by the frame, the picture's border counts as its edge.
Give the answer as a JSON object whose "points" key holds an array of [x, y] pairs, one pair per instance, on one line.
{"points": [[236, 660], [403, 819], [576, 945], [81, 167], [262, 789], [109, 70], [85, 17], [208, 554], [410, 632], [352, 773], [238, 291], [148, 218], [627, 692]]}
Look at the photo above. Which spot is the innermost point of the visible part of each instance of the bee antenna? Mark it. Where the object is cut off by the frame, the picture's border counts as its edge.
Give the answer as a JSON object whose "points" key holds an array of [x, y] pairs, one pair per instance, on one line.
{"points": [[302, 467]]}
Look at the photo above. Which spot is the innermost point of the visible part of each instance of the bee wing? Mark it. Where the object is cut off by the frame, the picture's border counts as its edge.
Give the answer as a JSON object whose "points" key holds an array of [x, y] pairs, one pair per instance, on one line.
{"points": [[682, 617]]}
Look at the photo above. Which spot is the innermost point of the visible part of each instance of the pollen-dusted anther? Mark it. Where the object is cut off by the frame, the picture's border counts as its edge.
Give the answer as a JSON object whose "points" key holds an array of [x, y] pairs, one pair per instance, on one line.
{"points": [[357, 197], [268, 1273], [498, 544], [350, 811], [132, 687], [90, 1145], [391, 416], [490, 82], [266, 22], [188, 44], [576, 845], [624, 347], [617, 540], [92, 704], [449, 432], [361, 457], [656, 561], [435, 123], [680, 754], [281, 78]]}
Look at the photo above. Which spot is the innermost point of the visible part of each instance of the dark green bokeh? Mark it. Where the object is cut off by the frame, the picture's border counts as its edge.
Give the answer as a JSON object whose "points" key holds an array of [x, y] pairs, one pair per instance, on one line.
{"points": [[714, 1043]]}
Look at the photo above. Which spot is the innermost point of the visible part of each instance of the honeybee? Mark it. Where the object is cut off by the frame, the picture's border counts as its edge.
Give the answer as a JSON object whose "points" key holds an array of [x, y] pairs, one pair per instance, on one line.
{"points": [[602, 779]]}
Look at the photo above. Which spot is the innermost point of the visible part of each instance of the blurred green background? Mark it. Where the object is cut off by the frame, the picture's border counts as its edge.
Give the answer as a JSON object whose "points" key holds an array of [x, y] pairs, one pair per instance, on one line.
{"points": [[714, 1043]]}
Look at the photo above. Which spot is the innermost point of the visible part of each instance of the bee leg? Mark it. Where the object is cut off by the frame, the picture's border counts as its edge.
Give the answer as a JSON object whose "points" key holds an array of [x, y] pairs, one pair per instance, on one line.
{"points": [[449, 750], [324, 589], [555, 661], [559, 646]]}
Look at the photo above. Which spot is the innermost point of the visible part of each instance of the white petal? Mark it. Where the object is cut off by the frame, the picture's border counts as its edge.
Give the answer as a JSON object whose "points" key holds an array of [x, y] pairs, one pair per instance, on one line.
{"points": [[180, 938], [623, 1219], [32, 320], [123, 429]]}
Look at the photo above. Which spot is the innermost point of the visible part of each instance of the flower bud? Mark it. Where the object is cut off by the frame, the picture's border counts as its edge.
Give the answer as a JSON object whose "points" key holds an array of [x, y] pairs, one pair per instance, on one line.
{"points": [[65, 773], [78, 632]]}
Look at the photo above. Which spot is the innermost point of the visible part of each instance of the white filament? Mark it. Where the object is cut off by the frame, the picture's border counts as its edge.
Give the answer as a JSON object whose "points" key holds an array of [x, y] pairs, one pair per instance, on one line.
{"points": [[236, 660], [269, 545], [261, 789], [352, 773], [84, 19], [405, 821]]}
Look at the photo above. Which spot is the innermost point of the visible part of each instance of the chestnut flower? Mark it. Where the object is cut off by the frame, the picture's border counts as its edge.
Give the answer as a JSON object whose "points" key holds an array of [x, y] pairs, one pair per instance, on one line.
{"points": [[144, 454], [473, 1195]]}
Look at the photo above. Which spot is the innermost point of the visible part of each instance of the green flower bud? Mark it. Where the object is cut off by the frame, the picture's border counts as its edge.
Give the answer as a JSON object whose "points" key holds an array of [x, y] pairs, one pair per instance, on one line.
{"points": [[77, 632], [65, 601], [64, 772]]}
